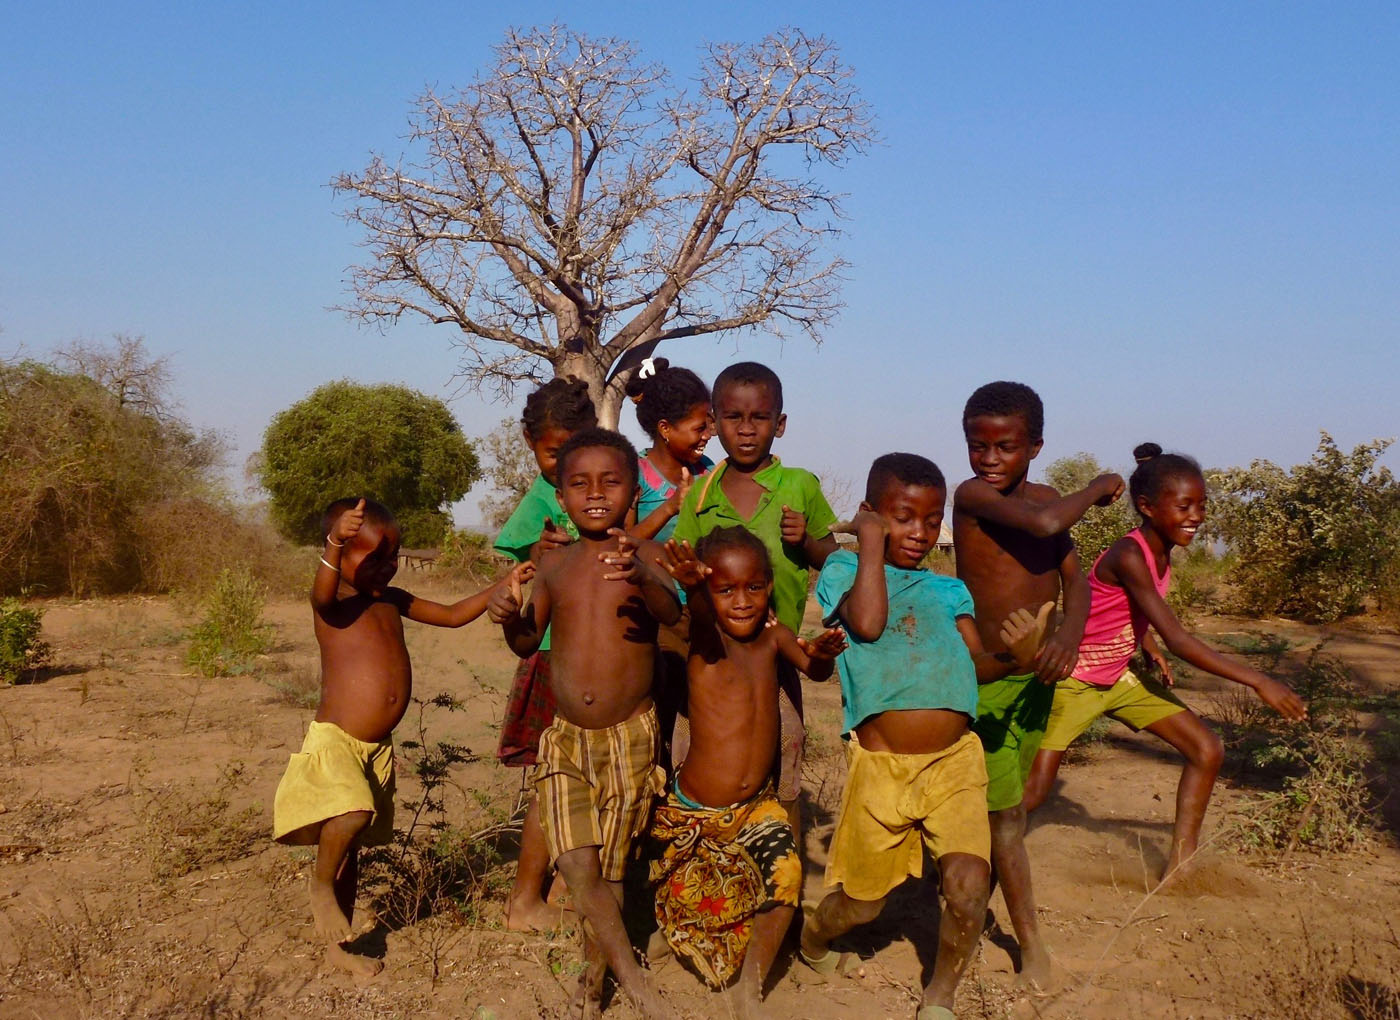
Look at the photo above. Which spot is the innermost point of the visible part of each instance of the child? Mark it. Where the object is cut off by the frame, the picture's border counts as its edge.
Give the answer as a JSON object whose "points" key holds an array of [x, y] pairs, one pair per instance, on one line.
{"points": [[553, 413], [673, 408], [785, 508], [597, 773], [1014, 551], [1129, 582], [728, 878], [338, 792], [909, 688]]}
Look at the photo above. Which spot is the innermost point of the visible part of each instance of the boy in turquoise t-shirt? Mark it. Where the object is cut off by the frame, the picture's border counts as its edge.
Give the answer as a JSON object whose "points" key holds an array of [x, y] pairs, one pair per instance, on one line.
{"points": [[784, 507], [916, 775]]}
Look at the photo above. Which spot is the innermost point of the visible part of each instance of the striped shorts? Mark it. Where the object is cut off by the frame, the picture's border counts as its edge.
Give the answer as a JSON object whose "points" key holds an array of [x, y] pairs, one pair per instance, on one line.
{"points": [[596, 787]]}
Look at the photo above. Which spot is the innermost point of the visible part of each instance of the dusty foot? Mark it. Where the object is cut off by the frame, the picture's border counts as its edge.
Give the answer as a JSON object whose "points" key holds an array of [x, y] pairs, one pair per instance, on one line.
{"points": [[1035, 975], [745, 1002], [531, 914], [359, 966], [1176, 870], [587, 1003], [658, 951], [558, 891], [649, 1002], [331, 922]]}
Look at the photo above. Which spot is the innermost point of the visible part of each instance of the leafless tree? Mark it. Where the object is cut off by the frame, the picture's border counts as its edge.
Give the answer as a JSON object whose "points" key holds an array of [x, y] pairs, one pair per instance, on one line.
{"points": [[570, 209]]}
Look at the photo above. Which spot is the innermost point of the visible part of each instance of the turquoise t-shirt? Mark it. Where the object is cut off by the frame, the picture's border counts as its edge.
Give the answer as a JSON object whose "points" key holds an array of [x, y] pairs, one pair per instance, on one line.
{"points": [[920, 661], [656, 489], [525, 526]]}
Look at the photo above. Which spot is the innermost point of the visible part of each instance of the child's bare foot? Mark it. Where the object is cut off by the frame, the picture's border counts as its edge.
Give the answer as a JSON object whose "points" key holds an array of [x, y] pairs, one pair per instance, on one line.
{"points": [[587, 1003], [558, 891], [331, 922], [1035, 972], [358, 966], [745, 1002], [650, 1003], [530, 913]]}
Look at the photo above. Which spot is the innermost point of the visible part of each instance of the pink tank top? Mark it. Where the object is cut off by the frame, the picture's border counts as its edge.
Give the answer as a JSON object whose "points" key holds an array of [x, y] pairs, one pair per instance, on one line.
{"points": [[1115, 626]]}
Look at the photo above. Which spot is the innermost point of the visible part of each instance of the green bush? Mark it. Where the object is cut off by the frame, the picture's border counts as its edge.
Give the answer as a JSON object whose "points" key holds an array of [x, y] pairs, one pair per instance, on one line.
{"points": [[232, 635], [1314, 542], [22, 650], [389, 443]]}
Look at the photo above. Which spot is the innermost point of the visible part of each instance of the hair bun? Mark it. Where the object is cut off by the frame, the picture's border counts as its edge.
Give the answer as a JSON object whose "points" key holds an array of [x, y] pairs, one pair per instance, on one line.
{"points": [[639, 383], [1146, 451]]}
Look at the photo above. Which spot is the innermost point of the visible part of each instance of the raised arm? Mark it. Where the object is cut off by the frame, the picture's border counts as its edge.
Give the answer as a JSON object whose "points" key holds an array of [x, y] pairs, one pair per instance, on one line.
{"points": [[1126, 566], [1039, 518], [327, 581], [865, 608], [468, 609], [816, 658], [653, 522]]}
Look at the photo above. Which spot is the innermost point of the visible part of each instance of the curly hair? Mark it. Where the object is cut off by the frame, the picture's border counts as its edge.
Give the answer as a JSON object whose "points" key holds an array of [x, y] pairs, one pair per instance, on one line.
{"points": [[1155, 469], [754, 374], [667, 394], [1004, 399], [734, 537], [591, 437], [563, 403], [905, 468]]}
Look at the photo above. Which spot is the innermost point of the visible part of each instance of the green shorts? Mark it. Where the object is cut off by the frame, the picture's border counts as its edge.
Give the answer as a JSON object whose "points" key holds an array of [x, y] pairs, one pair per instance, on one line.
{"points": [[1133, 702], [1011, 717]]}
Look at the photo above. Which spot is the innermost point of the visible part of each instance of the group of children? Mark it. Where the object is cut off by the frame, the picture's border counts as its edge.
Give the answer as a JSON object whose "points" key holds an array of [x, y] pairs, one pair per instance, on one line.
{"points": [[658, 700]]}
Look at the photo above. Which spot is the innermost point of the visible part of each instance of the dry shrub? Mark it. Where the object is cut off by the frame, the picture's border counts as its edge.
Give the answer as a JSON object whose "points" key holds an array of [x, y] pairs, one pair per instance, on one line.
{"points": [[300, 688], [184, 543], [184, 830], [467, 556]]}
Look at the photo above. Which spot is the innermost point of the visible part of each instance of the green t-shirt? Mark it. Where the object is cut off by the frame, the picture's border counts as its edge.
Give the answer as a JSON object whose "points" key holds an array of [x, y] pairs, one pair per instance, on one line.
{"points": [[706, 508], [525, 526]]}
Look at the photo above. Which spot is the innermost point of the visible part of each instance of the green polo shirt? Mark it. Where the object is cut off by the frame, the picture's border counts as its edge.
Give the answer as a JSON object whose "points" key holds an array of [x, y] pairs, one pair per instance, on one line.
{"points": [[525, 526], [706, 508]]}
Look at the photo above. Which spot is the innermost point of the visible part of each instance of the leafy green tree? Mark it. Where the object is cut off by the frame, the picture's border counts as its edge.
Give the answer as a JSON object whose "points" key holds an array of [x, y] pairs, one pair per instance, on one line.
{"points": [[386, 442], [1314, 542], [1101, 526]]}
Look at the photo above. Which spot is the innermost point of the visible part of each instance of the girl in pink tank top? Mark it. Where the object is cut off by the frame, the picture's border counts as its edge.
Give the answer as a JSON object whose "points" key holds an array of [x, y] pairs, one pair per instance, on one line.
{"points": [[1128, 585]]}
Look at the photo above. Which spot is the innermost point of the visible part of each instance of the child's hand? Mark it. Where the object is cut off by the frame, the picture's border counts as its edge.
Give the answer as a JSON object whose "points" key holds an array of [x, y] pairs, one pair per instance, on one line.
{"points": [[1282, 699], [793, 527], [1056, 658], [683, 565], [624, 563], [348, 524], [1110, 486], [1021, 633], [553, 537], [678, 494], [826, 645], [1163, 666], [865, 521], [505, 601]]}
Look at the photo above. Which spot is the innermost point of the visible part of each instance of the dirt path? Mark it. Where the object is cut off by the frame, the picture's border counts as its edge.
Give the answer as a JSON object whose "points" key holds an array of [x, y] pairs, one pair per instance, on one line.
{"points": [[137, 879]]}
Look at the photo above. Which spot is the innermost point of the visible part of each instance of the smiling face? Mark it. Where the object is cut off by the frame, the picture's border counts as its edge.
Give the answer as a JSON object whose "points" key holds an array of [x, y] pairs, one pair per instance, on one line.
{"points": [[748, 420], [545, 447], [1000, 449], [371, 559], [739, 588], [596, 489], [687, 437], [1177, 510], [914, 515]]}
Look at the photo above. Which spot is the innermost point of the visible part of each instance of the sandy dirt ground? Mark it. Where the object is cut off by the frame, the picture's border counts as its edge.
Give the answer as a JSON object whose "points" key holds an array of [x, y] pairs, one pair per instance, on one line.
{"points": [[137, 877]]}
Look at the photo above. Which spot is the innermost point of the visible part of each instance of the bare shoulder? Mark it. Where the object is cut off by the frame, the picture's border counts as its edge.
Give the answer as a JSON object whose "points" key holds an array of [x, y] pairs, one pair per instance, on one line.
{"points": [[970, 491], [1039, 492]]}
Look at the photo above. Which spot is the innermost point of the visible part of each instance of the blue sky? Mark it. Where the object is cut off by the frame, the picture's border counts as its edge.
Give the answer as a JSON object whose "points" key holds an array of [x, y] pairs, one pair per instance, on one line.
{"points": [[1178, 221]]}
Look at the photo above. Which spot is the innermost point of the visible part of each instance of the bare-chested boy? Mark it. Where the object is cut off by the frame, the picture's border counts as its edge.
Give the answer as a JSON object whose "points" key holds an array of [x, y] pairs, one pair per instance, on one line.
{"points": [[597, 774], [729, 877], [1014, 552], [338, 792]]}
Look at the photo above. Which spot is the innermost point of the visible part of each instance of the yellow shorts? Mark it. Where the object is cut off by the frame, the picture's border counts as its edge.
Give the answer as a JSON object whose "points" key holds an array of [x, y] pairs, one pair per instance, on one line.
{"points": [[1133, 702], [335, 774], [895, 804], [596, 787]]}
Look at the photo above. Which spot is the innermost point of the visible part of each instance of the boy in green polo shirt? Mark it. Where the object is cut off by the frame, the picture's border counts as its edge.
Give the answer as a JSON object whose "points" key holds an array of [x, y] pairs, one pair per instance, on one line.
{"points": [[785, 508]]}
